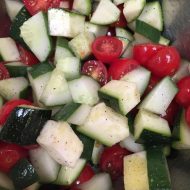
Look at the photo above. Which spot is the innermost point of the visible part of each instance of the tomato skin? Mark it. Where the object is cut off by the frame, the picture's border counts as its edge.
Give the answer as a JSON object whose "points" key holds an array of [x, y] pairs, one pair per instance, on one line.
{"points": [[111, 160], [122, 22], [183, 95], [34, 6], [120, 67], [187, 115], [107, 48], [8, 108], [4, 73], [30, 147], [27, 57], [165, 62], [97, 70], [143, 52], [9, 155]]}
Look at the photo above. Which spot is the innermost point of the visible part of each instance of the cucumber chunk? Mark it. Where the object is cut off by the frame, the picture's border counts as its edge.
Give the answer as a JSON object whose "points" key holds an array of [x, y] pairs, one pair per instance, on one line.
{"points": [[5, 182], [16, 69], [83, 7]]}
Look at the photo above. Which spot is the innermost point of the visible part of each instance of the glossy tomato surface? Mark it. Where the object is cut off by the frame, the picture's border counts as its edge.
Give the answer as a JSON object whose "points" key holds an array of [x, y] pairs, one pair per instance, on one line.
{"points": [[4, 73], [107, 48], [120, 67], [111, 160], [97, 70]]}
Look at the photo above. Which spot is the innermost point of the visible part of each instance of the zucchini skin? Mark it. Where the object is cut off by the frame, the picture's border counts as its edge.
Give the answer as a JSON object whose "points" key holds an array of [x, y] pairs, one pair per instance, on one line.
{"points": [[24, 124]]}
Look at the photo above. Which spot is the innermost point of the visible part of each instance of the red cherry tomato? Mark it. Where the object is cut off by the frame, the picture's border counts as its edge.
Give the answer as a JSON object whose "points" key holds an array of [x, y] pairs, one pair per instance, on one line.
{"points": [[111, 160], [4, 73], [143, 52], [111, 31], [86, 174], [97, 70], [187, 115], [107, 48], [5, 24], [165, 62], [27, 57], [183, 95], [120, 67], [122, 22], [9, 106], [9, 155], [34, 6]]}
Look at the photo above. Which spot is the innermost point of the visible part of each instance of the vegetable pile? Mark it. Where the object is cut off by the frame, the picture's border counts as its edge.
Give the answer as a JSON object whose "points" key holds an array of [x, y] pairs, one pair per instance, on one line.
{"points": [[92, 96]]}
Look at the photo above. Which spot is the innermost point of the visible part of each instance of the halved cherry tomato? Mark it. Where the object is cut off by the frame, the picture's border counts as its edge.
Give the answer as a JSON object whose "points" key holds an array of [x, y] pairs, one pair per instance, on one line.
{"points": [[183, 95], [122, 22], [143, 52], [111, 160], [9, 106], [187, 115], [86, 174], [111, 31], [107, 48], [4, 73], [27, 57], [97, 70], [9, 155], [165, 62], [120, 67], [34, 6]]}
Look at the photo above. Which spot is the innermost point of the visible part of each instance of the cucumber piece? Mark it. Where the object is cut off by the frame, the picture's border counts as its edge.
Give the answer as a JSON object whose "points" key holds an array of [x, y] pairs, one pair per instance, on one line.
{"points": [[164, 41], [96, 153], [132, 9], [68, 175], [125, 43], [141, 81], [181, 133], [140, 39], [13, 8], [148, 31], [8, 49], [20, 18], [35, 34], [61, 143], [122, 95], [25, 124], [151, 129], [13, 88], [99, 181], [81, 44], [158, 173], [84, 90], [135, 172], [98, 30], [132, 25], [105, 13], [152, 15], [23, 174], [121, 32], [62, 49], [56, 91], [128, 52], [118, 2], [46, 167], [5, 182], [105, 125], [70, 66], [83, 7], [1, 101], [16, 69], [64, 23], [164, 92], [34, 186]]}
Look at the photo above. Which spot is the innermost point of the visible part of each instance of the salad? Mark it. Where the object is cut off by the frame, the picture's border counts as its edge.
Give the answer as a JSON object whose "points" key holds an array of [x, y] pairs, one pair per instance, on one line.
{"points": [[92, 96]]}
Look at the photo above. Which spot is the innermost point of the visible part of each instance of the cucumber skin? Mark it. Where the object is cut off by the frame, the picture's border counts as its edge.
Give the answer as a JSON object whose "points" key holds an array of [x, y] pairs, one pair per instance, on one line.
{"points": [[17, 71]]}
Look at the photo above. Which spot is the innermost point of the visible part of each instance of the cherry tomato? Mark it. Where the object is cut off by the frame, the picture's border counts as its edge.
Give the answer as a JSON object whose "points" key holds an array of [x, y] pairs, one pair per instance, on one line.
{"points": [[27, 57], [9, 155], [122, 22], [120, 67], [187, 115], [34, 6], [143, 52], [97, 70], [5, 24], [86, 174], [111, 31], [30, 147], [165, 62], [183, 95], [107, 48], [4, 73], [111, 160], [9, 106]]}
